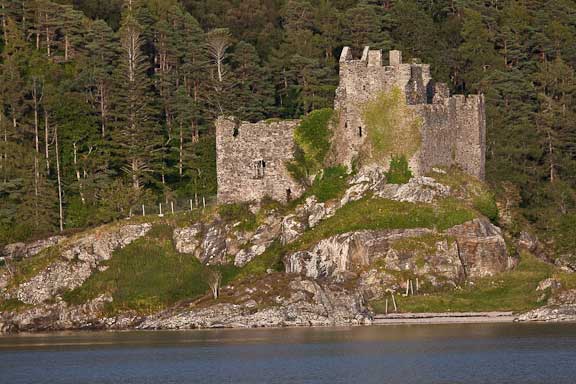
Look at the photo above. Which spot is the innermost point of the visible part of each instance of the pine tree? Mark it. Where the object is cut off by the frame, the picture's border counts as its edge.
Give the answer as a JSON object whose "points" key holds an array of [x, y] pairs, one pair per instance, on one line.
{"points": [[136, 136]]}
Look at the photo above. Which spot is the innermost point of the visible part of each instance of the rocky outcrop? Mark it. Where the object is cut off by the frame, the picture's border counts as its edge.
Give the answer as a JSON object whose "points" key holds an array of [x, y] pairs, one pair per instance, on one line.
{"points": [[560, 307], [482, 248], [214, 245], [474, 249], [189, 239], [417, 190], [22, 250], [79, 259], [61, 316], [218, 243], [308, 303]]}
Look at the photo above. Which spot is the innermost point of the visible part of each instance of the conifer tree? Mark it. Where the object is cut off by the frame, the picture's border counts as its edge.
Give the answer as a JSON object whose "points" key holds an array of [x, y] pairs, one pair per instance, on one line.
{"points": [[136, 136]]}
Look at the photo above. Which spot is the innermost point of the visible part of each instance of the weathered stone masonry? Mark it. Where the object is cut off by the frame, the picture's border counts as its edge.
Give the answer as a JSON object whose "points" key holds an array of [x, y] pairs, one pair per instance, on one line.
{"points": [[251, 157], [453, 127], [250, 160]]}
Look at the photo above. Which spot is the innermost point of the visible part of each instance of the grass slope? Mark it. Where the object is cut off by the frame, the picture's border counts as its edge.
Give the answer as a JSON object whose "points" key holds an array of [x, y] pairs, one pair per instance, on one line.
{"points": [[148, 275]]}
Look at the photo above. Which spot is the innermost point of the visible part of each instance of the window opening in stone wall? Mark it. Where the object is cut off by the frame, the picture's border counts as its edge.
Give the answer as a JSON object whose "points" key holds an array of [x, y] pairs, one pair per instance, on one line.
{"points": [[236, 130], [360, 131], [259, 169]]}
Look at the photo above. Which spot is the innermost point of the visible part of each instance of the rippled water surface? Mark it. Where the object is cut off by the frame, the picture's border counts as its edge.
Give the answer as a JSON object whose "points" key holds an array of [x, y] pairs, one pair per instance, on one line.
{"points": [[487, 353]]}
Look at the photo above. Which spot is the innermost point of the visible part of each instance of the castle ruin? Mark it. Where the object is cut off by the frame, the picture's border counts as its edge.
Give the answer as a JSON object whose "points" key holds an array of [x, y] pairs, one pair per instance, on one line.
{"points": [[452, 128], [252, 157]]}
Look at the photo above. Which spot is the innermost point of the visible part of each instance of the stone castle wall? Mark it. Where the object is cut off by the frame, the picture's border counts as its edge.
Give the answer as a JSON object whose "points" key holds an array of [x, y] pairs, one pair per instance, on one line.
{"points": [[453, 128], [251, 157], [250, 160]]}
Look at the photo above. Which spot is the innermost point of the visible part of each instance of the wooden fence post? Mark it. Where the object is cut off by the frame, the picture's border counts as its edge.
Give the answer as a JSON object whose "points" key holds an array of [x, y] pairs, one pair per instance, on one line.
{"points": [[143, 210]]}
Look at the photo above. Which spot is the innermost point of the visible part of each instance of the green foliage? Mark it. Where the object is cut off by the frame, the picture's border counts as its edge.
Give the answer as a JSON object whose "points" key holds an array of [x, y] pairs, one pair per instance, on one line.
{"points": [[421, 245], [239, 213], [485, 203], [393, 129], [329, 184], [312, 139], [509, 291], [399, 172], [12, 305]]}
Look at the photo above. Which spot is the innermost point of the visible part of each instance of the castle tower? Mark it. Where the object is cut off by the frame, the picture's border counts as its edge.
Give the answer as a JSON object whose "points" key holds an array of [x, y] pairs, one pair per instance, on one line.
{"points": [[452, 129]]}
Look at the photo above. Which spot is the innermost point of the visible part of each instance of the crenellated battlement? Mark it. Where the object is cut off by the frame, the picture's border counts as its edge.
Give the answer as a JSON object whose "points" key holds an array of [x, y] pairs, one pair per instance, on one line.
{"points": [[453, 127]]}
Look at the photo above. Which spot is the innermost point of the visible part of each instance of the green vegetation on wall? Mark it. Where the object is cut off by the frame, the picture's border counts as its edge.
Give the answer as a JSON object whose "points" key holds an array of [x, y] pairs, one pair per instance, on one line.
{"points": [[393, 130], [312, 139], [399, 172], [329, 184]]}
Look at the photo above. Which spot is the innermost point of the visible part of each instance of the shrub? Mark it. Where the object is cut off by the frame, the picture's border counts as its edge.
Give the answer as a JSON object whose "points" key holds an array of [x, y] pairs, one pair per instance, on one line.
{"points": [[399, 172], [233, 213], [330, 184], [485, 203], [312, 139]]}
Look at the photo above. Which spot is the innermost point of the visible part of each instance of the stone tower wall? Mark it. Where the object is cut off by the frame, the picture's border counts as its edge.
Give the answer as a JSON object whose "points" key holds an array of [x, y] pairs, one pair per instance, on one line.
{"points": [[453, 128], [250, 160]]}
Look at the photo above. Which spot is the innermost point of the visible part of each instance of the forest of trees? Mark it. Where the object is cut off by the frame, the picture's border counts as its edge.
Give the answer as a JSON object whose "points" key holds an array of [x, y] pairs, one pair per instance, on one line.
{"points": [[105, 104]]}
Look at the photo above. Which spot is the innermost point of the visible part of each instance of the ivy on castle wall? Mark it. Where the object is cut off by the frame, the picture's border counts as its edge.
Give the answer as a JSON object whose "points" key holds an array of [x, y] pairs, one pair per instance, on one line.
{"points": [[312, 138], [393, 129]]}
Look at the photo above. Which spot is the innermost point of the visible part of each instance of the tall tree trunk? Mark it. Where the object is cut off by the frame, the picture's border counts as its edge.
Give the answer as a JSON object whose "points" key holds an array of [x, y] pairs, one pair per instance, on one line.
{"points": [[4, 24], [66, 47], [36, 140], [46, 143], [77, 170], [48, 37], [60, 207], [103, 113], [135, 178], [551, 154], [181, 153], [4, 164]]}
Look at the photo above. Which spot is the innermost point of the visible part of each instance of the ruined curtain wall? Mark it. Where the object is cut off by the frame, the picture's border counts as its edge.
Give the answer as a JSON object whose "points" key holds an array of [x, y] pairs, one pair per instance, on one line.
{"points": [[251, 160]]}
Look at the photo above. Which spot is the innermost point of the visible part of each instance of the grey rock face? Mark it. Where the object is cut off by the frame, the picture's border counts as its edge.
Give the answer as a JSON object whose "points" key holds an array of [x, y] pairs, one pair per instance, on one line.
{"points": [[188, 240], [214, 246], [292, 227], [23, 250], [417, 190], [478, 250], [244, 256], [481, 248], [308, 304]]}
